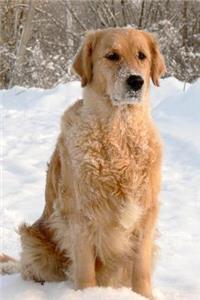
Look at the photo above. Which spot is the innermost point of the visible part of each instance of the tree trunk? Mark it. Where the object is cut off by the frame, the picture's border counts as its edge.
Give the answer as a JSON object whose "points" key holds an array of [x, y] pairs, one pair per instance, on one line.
{"points": [[21, 49], [123, 12], [141, 15], [184, 32]]}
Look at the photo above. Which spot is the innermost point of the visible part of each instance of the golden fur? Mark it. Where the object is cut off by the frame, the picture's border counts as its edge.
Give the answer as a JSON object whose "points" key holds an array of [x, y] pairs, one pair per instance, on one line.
{"points": [[103, 180]]}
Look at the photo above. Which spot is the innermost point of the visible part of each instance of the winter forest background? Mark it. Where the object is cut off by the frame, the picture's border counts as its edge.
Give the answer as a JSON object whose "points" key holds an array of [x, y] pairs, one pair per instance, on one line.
{"points": [[38, 38]]}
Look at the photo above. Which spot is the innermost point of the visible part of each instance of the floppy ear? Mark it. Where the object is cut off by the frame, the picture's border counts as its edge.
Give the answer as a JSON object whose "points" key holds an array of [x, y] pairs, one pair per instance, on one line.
{"points": [[82, 64], [158, 67]]}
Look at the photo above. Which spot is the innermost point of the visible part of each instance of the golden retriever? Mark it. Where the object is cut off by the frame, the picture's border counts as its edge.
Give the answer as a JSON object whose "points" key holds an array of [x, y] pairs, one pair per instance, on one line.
{"points": [[103, 180]]}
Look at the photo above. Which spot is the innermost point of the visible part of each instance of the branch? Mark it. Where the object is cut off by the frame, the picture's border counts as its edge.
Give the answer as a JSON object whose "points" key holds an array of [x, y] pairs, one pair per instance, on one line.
{"points": [[96, 11], [107, 7], [75, 17]]}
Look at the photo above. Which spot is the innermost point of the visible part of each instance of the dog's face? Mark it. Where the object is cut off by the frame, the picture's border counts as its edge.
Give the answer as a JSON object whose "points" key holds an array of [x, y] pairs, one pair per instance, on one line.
{"points": [[118, 63]]}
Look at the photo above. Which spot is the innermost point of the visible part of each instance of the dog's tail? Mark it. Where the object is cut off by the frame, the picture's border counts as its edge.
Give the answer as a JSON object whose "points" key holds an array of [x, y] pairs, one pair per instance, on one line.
{"points": [[8, 265]]}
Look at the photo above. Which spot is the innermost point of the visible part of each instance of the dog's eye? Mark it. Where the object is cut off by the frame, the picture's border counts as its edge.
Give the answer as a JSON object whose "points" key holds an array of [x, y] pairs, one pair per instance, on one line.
{"points": [[141, 55], [113, 56]]}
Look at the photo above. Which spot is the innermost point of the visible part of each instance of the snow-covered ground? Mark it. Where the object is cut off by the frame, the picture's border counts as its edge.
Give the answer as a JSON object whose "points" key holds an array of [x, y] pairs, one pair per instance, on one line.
{"points": [[30, 127]]}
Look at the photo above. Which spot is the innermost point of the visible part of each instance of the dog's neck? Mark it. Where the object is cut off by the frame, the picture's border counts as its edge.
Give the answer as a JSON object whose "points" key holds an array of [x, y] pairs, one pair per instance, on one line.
{"points": [[103, 109]]}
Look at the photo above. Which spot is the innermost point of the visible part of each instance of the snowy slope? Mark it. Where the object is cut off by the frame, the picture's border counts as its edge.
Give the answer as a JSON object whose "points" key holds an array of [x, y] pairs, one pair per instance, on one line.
{"points": [[30, 127]]}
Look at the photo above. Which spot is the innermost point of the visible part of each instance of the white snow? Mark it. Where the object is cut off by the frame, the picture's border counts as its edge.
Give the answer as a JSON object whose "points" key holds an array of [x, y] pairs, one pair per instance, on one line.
{"points": [[30, 127]]}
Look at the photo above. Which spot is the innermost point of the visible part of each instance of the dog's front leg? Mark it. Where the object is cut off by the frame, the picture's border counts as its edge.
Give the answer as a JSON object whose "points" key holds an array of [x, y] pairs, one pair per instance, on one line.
{"points": [[84, 263], [142, 263]]}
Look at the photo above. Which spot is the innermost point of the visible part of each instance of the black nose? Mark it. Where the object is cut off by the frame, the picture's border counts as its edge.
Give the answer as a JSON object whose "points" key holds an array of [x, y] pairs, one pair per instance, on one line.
{"points": [[135, 82]]}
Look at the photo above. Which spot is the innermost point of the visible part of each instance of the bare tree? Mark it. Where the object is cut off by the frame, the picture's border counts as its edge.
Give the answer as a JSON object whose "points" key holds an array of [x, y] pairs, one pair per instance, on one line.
{"points": [[141, 14], [184, 23], [25, 36]]}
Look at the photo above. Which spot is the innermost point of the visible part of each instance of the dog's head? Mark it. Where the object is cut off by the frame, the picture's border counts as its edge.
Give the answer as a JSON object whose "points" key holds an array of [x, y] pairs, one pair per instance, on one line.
{"points": [[119, 63]]}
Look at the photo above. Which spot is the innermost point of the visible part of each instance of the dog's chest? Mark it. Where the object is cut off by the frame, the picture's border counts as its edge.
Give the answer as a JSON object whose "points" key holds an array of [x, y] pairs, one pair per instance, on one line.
{"points": [[111, 163]]}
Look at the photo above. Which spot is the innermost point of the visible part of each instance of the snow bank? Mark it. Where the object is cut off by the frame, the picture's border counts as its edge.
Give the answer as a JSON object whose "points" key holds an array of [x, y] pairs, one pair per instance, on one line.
{"points": [[182, 104], [169, 87], [14, 288], [30, 128]]}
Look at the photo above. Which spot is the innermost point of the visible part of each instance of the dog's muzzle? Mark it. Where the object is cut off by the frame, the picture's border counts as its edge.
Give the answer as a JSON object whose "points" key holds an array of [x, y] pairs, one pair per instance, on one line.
{"points": [[127, 88]]}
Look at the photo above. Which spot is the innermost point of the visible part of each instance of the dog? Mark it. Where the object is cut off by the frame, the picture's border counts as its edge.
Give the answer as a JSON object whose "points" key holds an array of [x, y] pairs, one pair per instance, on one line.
{"points": [[101, 199]]}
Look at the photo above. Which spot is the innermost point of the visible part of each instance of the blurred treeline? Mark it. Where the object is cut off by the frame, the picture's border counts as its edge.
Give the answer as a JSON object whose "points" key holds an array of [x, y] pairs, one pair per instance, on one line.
{"points": [[38, 38]]}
